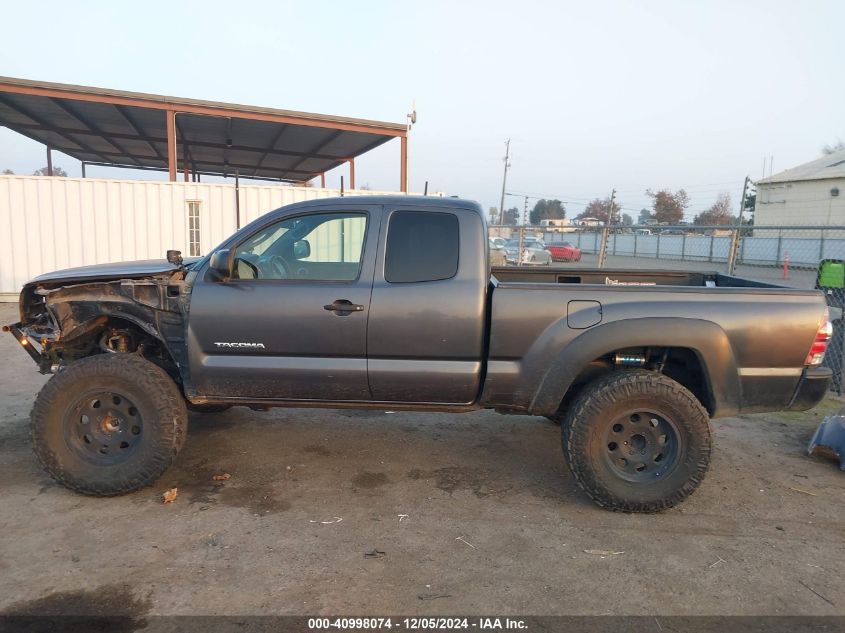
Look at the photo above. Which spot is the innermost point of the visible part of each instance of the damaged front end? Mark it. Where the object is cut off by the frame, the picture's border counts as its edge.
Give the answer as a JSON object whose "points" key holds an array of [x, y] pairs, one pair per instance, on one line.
{"points": [[64, 321]]}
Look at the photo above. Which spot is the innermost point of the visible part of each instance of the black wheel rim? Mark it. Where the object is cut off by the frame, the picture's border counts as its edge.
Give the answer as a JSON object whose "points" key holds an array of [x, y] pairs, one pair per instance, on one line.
{"points": [[641, 446], [103, 427]]}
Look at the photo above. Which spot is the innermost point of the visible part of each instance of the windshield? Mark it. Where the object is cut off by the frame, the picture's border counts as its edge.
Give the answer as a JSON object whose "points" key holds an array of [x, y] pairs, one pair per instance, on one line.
{"points": [[528, 242], [262, 240]]}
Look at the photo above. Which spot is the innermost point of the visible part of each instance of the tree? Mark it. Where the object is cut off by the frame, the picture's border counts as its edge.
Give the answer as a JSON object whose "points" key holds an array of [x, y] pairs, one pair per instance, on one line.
{"points": [[511, 216], [669, 207], [645, 216], [547, 210], [718, 214], [838, 146], [600, 209], [8, 172], [493, 212], [750, 205], [627, 220], [57, 171]]}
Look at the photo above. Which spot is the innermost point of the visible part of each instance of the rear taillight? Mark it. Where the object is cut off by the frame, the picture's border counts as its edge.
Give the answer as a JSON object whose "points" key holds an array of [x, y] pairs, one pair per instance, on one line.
{"points": [[819, 346]]}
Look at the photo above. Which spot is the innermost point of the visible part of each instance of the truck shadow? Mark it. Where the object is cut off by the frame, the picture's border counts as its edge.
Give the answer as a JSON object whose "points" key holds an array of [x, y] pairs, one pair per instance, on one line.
{"points": [[274, 458]]}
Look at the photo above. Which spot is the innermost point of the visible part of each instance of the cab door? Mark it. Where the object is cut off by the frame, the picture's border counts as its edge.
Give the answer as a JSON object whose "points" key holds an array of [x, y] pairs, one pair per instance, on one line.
{"points": [[425, 339], [291, 322]]}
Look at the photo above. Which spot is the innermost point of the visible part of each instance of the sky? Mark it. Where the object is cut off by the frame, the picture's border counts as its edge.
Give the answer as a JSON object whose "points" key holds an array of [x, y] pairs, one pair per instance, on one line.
{"points": [[594, 96]]}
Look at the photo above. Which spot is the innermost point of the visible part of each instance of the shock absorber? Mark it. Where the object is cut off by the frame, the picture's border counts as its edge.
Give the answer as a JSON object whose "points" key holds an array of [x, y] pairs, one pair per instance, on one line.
{"points": [[629, 360]]}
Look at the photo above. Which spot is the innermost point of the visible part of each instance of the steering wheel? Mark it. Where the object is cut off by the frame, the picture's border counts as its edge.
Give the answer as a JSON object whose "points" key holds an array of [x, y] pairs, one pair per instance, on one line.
{"points": [[280, 267], [252, 267]]}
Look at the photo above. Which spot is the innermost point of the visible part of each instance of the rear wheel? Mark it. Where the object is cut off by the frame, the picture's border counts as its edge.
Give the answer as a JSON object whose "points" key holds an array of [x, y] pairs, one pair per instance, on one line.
{"points": [[637, 441], [108, 424]]}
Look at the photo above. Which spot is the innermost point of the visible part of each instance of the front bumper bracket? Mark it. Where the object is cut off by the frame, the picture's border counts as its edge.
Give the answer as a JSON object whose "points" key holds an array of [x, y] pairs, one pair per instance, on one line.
{"points": [[25, 342]]}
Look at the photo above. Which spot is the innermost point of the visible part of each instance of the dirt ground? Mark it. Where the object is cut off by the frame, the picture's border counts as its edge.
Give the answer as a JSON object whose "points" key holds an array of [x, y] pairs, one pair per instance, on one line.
{"points": [[343, 512]]}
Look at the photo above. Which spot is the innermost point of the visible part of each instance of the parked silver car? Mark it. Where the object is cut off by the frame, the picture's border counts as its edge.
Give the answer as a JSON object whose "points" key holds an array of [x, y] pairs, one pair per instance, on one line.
{"points": [[498, 241], [497, 253], [534, 252]]}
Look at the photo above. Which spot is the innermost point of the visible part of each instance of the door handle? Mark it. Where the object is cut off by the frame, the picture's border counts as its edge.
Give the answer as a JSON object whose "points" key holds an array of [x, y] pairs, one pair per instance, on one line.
{"points": [[343, 307]]}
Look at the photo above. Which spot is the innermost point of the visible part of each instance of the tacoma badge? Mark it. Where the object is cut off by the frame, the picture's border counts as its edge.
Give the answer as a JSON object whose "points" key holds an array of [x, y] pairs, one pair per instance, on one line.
{"points": [[241, 345]]}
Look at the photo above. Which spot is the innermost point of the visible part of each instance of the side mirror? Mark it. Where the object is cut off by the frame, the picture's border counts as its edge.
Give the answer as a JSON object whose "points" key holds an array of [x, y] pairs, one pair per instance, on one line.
{"points": [[219, 263], [174, 257], [301, 249]]}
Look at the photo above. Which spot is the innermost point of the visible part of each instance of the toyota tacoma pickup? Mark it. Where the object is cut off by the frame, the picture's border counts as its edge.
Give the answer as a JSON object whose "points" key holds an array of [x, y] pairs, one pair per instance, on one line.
{"points": [[390, 303]]}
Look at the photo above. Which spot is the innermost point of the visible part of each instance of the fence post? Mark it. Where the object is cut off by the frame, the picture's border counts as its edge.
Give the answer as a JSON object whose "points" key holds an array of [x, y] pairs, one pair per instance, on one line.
{"points": [[732, 251], [821, 246], [684, 247], [635, 244], [657, 254], [780, 244], [710, 256], [521, 242], [603, 248], [614, 243]]}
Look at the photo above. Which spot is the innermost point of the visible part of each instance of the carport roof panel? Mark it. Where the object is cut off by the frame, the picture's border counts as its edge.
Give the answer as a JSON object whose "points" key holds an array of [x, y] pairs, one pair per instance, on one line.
{"points": [[129, 129]]}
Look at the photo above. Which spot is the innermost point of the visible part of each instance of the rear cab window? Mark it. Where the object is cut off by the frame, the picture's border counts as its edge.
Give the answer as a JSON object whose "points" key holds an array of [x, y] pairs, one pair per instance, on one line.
{"points": [[421, 246]]}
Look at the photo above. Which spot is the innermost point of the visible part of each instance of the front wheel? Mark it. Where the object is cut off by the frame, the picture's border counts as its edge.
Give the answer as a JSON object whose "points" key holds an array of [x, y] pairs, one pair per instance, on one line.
{"points": [[108, 424], [637, 441]]}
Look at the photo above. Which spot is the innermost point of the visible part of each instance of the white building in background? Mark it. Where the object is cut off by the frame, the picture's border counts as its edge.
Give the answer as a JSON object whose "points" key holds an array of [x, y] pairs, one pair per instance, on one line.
{"points": [[53, 223], [560, 225], [810, 194]]}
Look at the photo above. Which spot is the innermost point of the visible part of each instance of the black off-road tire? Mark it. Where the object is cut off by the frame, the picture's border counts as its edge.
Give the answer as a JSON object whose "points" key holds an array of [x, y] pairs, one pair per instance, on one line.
{"points": [[600, 428], [108, 424]]}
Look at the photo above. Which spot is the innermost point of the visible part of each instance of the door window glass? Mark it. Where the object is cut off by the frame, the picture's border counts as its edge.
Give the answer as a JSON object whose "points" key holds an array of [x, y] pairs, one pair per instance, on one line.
{"points": [[322, 247], [421, 246]]}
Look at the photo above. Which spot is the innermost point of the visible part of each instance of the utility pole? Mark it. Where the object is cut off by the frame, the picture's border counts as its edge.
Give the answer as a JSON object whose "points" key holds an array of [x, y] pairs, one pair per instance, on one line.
{"points": [[521, 246], [734, 247], [744, 197], [504, 181], [605, 233], [610, 207]]}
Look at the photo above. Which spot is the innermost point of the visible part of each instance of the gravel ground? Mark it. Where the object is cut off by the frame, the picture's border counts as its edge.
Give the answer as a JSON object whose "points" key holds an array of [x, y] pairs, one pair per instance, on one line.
{"points": [[352, 512]]}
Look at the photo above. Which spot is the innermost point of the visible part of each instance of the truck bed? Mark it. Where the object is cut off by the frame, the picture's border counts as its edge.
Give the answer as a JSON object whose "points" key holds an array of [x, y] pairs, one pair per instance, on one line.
{"points": [[622, 277], [752, 337]]}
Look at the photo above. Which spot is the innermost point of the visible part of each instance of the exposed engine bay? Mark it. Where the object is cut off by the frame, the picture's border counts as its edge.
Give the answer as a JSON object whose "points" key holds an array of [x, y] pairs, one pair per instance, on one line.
{"points": [[61, 323]]}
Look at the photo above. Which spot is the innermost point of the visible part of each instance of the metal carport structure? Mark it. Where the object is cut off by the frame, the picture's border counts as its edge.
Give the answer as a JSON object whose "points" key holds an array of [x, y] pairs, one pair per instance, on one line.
{"points": [[153, 132]]}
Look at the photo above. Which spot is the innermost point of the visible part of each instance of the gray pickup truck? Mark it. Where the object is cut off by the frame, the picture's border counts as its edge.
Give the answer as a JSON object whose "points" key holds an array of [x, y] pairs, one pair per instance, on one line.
{"points": [[390, 303]]}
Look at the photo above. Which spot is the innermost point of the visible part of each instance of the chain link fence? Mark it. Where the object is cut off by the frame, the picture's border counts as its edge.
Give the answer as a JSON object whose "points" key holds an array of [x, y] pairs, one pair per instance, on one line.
{"points": [[796, 256]]}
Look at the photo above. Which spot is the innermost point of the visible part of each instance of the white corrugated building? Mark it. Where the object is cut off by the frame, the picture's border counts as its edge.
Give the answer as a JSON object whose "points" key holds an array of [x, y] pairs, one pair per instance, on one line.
{"points": [[52, 223], [810, 194]]}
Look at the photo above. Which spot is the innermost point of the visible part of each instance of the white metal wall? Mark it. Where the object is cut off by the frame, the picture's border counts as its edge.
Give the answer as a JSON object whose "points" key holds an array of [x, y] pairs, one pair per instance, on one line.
{"points": [[51, 223], [808, 202]]}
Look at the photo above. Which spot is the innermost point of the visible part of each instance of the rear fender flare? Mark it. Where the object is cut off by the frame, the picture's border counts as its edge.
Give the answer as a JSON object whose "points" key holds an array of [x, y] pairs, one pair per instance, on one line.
{"points": [[705, 338]]}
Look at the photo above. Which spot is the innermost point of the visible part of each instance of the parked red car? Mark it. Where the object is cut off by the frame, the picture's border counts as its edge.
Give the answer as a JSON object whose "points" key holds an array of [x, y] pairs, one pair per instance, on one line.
{"points": [[564, 252]]}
